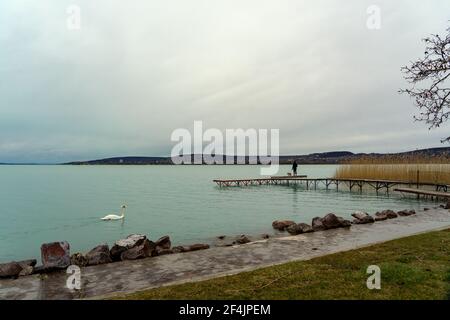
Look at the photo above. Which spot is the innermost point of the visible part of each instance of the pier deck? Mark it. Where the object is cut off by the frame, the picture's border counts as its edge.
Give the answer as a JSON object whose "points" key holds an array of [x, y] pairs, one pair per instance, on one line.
{"points": [[425, 193]]}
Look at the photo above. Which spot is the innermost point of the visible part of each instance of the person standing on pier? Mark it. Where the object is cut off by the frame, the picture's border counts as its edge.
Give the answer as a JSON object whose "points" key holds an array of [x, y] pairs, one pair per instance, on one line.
{"points": [[294, 167]]}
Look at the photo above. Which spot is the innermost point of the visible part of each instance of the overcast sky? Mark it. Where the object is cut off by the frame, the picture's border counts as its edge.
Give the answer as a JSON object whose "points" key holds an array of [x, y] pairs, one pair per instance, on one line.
{"points": [[137, 70]]}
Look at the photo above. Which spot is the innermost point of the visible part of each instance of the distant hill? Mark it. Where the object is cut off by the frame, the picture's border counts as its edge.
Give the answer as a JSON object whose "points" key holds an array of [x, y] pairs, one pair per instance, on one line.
{"points": [[334, 157], [126, 160]]}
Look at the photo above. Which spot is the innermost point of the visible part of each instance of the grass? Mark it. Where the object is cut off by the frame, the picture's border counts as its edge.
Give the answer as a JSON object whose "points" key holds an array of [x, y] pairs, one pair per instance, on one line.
{"points": [[416, 267]]}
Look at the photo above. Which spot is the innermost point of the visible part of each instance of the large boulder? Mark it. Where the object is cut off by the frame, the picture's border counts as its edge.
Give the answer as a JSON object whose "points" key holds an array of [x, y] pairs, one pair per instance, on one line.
{"points": [[55, 255], [99, 255], [193, 247], [242, 239], [179, 249], [344, 223], [330, 221], [144, 250], [198, 246], [26, 271], [10, 269], [78, 259], [362, 217], [390, 214], [404, 213], [27, 263], [380, 216], [17, 268], [132, 241], [317, 224], [385, 214], [299, 228], [161, 252], [27, 267], [163, 243], [224, 241], [281, 225]]}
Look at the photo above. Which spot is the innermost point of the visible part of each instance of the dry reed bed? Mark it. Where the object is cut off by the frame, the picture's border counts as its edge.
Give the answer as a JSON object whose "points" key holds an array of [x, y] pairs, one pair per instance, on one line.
{"points": [[402, 168]]}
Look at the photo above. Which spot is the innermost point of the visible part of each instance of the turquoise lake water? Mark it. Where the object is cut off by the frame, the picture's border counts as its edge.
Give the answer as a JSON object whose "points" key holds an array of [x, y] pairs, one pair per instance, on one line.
{"points": [[51, 203]]}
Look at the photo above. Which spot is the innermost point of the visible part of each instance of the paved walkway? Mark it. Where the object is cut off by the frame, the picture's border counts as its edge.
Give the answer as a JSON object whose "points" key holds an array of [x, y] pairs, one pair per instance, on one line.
{"points": [[129, 276]]}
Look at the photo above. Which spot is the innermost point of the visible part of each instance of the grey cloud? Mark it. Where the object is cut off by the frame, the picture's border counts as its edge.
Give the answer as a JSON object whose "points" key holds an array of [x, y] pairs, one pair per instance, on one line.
{"points": [[137, 71]]}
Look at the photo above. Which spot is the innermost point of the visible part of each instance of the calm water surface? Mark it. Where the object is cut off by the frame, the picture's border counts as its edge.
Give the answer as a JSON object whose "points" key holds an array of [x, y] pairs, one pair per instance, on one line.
{"points": [[51, 203]]}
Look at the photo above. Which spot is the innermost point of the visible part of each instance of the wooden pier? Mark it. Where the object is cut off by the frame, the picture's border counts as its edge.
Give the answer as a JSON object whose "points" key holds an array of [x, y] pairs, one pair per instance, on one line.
{"points": [[313, 183], [424, 193], [257, 181]]}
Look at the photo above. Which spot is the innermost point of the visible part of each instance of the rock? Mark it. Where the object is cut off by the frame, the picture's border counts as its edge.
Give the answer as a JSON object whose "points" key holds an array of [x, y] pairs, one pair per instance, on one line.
{"points": [[99, 255], [379, 216], [26, 271], [224, 243], [78, 259], [27, 263], [344, 223], [447, 205], [55, 255], [390, 214], [161, 252], [282, 224], [194, 247], [331, 221], [404, 213], [426, 209], [40, 269], [362, 217], [221, 237], [163, 243], [385, 214], [359, 215], [198, 246], [144, 250], [10, 269], [179, 249], [131, 241], [265, 236], [299, 228], [242, 239], [317, 224], [123, 245], [134, 253]]}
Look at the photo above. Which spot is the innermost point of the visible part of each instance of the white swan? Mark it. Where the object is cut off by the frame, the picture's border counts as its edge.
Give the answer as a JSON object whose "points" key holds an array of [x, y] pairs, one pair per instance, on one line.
{"points": [[114, 216]]}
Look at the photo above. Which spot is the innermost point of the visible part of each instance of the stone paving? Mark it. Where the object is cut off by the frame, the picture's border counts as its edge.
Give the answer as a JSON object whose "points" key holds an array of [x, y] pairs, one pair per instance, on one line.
{"points": [[129, 276]]}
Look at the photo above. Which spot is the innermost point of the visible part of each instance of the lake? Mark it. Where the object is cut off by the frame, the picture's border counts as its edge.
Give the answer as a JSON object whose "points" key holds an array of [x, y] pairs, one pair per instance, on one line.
{"points": [[52, 203]]}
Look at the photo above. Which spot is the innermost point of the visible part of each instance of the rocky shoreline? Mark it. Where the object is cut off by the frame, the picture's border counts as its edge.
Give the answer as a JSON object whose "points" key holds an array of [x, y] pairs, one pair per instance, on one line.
{"points": [[56, 255]]}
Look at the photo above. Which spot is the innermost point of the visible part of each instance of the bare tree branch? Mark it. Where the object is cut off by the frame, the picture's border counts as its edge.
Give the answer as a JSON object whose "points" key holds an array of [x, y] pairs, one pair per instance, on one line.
{"points": [[433, 73]]}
